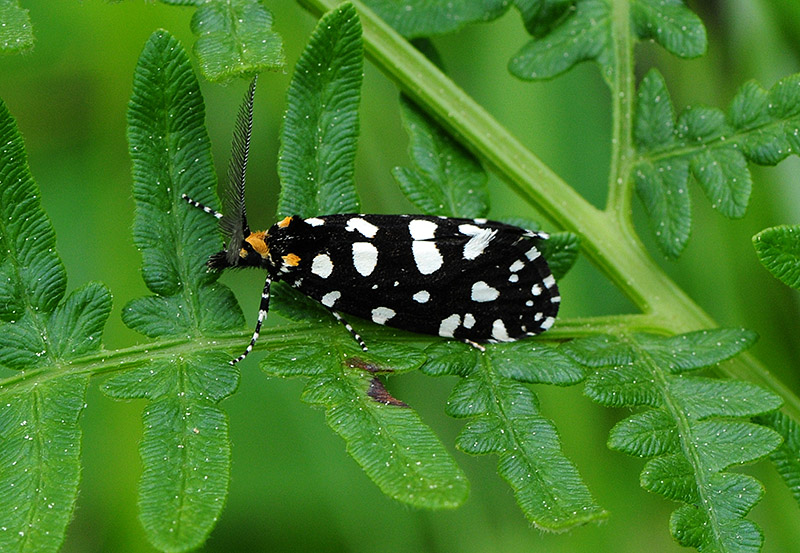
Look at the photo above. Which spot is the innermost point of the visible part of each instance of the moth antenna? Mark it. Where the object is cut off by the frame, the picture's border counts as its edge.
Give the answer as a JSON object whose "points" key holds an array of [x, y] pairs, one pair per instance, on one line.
{"points": [[263, 308], [195, 203], [234, 223]]}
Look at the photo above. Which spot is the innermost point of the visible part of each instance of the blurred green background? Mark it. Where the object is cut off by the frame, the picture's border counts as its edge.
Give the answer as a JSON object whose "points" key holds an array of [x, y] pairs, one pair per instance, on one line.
{"points": [[293, 488]]}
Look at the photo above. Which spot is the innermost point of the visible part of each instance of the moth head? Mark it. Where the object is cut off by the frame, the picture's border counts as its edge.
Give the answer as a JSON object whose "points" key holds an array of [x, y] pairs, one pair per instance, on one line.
{"points": [[252, 251]]}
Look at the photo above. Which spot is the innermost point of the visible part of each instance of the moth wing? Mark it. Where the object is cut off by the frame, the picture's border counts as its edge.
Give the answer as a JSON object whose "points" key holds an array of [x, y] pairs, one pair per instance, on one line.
{"points": [[477, 280]]}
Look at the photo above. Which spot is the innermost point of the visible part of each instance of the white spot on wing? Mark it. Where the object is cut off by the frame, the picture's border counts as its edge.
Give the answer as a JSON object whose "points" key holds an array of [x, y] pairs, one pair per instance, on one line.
{"points": [[382, 314], [322, 265], [421, 229], [361, 225], [449, 325], [422, 296], [314, 221], [469, 230], [365, 257], [532, 253], [482, 292], [499, 331], [513, 278], [330, 298], [518, 265], [536, 290], [426, 256], [475, 245], [547, 323], [549, 281], [469, 320]]}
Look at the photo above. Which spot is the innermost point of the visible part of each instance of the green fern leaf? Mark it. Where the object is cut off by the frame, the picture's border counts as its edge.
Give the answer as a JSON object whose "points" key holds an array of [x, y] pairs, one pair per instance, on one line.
{"points": [[421, 18], [16, 33], [39, 329], [646, 434], [583, 35], [778, 249], [662, 187], [446, 179], [235, 38], [691, 526], [541, 15], [561, 251], [40, 456], [696, 431], [786, 458], [599, 351], [185, 447], [320, 130], [714, 148], [625, 385], [506, 421], [567, 33], [695, 350], [671, 24], [387, 438]]}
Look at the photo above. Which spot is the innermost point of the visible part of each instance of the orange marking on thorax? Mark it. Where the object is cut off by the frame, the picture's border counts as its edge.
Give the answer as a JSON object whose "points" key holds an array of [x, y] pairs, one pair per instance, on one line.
{"points": [[291, 259], [285, 222], [259, 243]]}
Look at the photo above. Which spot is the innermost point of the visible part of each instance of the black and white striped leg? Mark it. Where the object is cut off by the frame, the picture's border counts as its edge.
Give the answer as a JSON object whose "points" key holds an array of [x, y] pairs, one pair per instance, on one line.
{"points": [[262, 314], [205, 208], [356, 336], [475, 345]]}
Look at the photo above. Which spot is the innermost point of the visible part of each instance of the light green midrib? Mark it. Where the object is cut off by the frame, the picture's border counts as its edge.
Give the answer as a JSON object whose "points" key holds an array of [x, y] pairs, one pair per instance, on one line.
{"points": [[683, 425], [733, 140]]}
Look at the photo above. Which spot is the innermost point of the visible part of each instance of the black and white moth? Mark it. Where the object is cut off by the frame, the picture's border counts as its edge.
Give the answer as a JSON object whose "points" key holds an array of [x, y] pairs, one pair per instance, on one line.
{"points": [[474, 280]]}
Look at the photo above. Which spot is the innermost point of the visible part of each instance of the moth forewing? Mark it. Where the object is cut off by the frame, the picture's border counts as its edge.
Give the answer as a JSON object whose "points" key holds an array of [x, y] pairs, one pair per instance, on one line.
{"points": [[469, 279]]}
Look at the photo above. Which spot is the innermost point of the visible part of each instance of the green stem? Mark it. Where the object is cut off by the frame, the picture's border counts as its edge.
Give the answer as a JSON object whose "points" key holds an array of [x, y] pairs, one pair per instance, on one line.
{"points": [[107, 362], [607, 237], [622, 101]]}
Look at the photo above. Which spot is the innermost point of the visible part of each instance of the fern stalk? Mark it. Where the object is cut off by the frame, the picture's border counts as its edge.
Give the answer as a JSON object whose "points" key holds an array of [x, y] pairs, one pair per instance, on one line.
{"points": [[607, 236], [622, 100]]}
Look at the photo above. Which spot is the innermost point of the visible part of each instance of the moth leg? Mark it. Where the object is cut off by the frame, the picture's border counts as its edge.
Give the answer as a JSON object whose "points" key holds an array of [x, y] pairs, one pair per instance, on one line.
{"points": [[356, 336], [475, 345], [198, 205], [262, 314]]}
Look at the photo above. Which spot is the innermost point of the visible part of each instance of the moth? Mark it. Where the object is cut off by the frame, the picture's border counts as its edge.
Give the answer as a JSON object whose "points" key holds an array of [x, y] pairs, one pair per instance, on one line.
{"points": [[473, 280]]}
